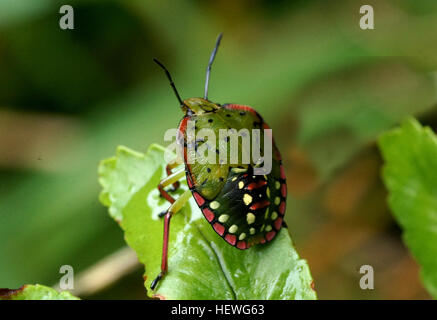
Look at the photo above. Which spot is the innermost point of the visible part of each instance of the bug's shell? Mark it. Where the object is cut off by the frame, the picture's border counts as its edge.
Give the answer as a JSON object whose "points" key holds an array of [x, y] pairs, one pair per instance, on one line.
{"points": [[242, 208]]}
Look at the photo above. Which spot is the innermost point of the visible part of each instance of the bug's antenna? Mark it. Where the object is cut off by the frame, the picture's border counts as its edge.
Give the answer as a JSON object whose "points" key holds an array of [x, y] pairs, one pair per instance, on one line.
{"points": [[211, 60], [171, 81]]}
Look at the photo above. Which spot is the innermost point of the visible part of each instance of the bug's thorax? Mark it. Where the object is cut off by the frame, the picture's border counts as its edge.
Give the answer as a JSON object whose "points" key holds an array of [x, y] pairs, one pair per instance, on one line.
{"points": [[198, 106]]}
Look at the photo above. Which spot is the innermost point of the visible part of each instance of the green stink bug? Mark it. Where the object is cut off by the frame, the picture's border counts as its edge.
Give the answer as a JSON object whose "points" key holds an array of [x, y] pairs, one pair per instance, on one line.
{"points": [[243, 207]]}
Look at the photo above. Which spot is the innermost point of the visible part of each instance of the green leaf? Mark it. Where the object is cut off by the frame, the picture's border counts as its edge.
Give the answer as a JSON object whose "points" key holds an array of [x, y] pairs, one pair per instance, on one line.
{"points": [[201, 264], [35, 292], [410, 174]]}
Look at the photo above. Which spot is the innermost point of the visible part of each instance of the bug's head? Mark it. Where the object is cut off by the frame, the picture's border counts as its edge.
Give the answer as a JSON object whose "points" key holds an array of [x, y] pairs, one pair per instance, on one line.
{"points": [[196, 105]]}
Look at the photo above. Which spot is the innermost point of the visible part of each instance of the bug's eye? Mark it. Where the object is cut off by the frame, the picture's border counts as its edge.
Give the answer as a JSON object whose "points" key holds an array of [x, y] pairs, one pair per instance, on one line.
{"points": [[199, 105]]}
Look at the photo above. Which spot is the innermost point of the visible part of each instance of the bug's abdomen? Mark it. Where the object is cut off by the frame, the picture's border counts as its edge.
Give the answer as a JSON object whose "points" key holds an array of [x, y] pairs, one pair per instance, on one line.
{"points": [[249, 209]]}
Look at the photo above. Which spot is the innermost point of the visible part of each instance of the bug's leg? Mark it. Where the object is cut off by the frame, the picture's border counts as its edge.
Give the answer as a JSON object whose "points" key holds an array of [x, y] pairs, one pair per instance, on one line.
{"points": [[169, 169], [168, 181], [174, 208]]}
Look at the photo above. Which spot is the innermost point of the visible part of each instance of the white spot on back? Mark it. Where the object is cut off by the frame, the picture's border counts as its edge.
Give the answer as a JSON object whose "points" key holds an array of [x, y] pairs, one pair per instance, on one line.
{"points": [[223, 218], [247, 198], [277, 200], [214, 205], [250, 217], [233, 228]]}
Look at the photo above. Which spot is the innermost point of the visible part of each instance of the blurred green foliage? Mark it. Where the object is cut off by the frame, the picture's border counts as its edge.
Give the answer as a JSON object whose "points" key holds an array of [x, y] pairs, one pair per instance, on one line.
{"points": [[327, 88], [410, 154], [36, 292]]}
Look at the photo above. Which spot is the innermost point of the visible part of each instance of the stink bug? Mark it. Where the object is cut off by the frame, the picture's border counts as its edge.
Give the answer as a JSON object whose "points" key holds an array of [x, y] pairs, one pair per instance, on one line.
{"points": [[242, 207]]}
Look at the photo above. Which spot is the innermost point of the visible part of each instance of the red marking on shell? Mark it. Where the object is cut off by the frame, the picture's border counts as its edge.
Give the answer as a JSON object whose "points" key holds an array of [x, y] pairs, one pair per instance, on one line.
{"points": [[282, 172], [241, 107], [199, 199], [181, 136], [260, 205], [189, 182], [255, 185], [278, 223], [242, 245], [284, 190], [282, 208], [183, 125], [270, 235], [230, 238], [220, 229], [209, 215]]}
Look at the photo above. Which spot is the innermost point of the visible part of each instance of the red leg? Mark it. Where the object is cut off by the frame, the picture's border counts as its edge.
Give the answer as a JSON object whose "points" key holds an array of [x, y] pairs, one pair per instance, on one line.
{"points": [[165, 194], [164, 261], [171, 179], [175, 207]]}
